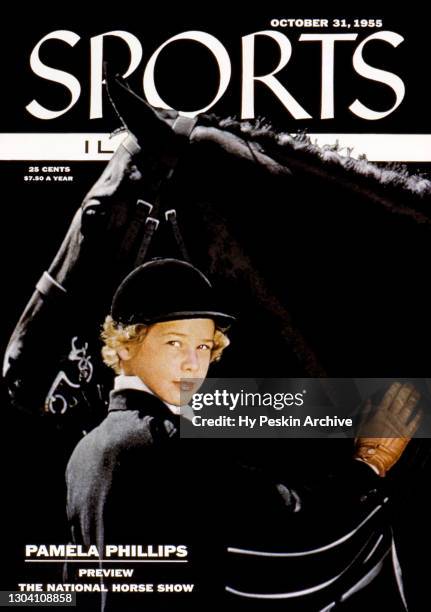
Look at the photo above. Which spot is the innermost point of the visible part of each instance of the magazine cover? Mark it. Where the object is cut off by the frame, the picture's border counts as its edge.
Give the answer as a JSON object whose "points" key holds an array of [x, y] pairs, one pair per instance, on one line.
{"points": [[215, 328]]}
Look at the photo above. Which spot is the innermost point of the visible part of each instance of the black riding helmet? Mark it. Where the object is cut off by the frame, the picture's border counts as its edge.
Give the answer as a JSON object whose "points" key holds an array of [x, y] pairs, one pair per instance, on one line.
{"points": [[167, 290]]}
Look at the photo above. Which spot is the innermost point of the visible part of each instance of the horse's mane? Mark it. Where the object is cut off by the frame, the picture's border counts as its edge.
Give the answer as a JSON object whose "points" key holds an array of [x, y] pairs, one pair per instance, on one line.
{"points": [[390, 176]]}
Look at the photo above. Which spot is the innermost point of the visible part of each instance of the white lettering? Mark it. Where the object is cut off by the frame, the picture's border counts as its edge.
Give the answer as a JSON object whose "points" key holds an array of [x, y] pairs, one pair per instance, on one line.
{"points": [[375, 74], [248, 76], [135, 49], [328, 43], [52, 74], [220, 54]]}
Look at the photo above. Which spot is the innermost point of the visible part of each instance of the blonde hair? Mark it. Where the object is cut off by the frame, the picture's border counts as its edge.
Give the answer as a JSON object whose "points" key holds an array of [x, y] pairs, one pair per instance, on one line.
{"points": [[117, 336]]}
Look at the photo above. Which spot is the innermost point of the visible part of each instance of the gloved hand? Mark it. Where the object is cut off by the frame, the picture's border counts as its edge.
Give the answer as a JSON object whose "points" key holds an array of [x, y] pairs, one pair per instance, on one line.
{"points": [[385, 431]]}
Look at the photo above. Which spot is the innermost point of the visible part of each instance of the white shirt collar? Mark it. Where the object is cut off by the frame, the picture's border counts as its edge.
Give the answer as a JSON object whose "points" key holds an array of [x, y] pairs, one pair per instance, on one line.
{"points": [[134, 382]]}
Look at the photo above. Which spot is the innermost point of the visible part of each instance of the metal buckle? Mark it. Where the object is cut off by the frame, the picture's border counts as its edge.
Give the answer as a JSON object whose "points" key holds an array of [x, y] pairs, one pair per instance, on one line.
{"points": [[171, 213], [146, 204], [154, 222]]}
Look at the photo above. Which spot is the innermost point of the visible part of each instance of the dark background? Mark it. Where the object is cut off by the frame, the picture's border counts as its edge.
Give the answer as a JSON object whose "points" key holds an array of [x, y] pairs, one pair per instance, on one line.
{"points": [[186, 75], [384, 258]]}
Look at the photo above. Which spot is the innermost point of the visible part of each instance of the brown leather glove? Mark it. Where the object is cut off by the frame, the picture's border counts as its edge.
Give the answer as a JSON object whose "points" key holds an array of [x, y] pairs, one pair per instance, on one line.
{"points": [[385, 431]]}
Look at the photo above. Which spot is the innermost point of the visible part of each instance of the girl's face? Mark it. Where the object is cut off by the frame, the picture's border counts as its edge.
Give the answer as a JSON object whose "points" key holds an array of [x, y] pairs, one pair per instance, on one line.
{"points": [[173, 358]]}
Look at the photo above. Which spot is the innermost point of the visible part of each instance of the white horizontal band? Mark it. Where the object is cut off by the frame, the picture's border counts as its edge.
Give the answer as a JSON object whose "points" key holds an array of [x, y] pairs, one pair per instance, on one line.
{"points": [[100, 146]]}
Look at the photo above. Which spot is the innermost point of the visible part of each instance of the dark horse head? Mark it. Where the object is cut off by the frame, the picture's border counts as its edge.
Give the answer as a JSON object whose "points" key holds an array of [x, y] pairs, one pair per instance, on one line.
{"points": [[322, 256]]}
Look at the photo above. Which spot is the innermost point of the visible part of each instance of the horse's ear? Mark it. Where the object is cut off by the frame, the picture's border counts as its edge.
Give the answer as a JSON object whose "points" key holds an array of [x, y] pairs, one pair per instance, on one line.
{"points": [[150, 127]]}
